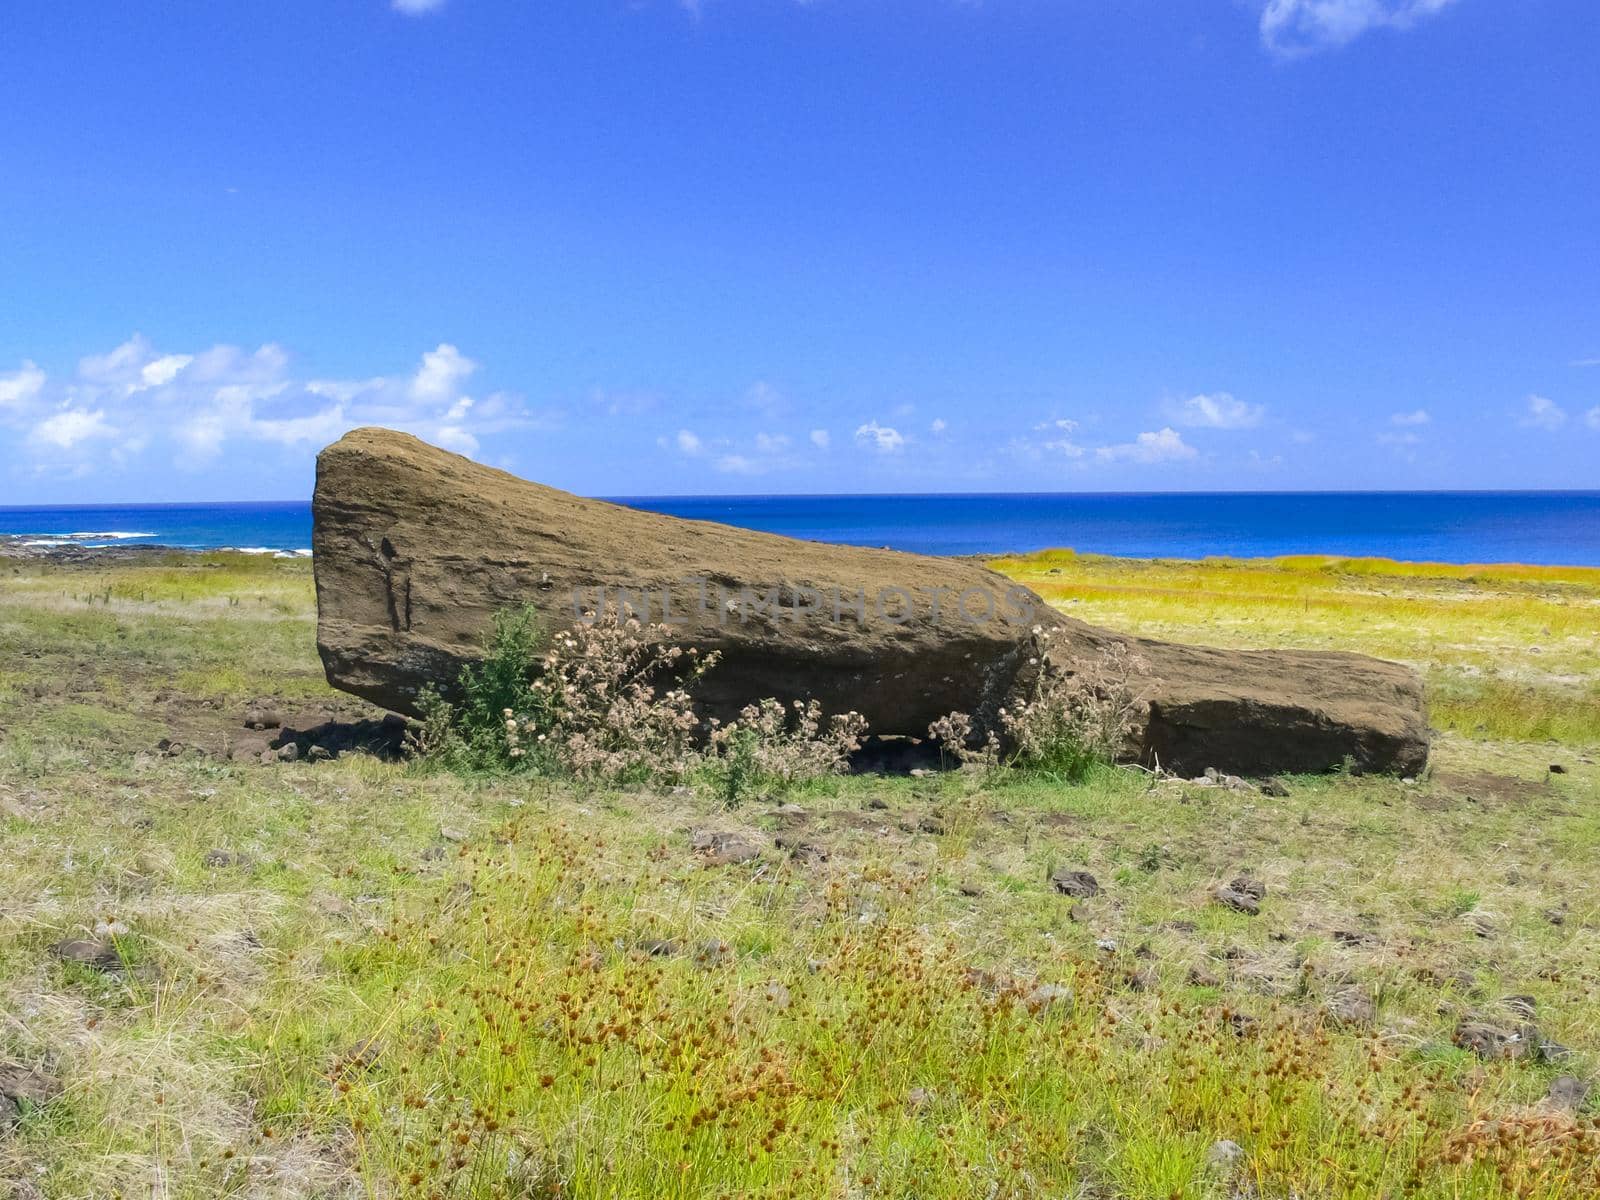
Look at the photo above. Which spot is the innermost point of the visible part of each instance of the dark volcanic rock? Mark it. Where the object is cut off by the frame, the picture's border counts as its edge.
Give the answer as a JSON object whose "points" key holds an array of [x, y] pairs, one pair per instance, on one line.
{"points": [[417, 548]]}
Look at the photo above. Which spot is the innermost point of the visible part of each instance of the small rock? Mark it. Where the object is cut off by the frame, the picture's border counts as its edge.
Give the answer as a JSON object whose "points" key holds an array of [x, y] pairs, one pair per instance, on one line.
{"points": [[931, 824], [777, 995], [318, 754], [921, 773], [289, 752], [918, 1098], [1567, 1093], [216, 859], [1550, 1052], [1106, 945], [659, 947], [1231, 897], [262, 718], [1200, 977], [102, 956], [23, 1089], [1080, 885], [803, 852], [433, 854], [1521, 1006], [1274, 787], [451, 834], [1045, 995], [1144, 979], [877, 803], [1493, 1042], [968, 888], [724, 849], [1242, 1024], [1078, 914], [1557, 769], [1352, 1006], [1225, 1154], [1556, 916], [790, 810]]}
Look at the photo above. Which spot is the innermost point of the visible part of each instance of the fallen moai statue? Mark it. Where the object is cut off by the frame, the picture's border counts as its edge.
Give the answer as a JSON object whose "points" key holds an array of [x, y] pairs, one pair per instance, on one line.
{"points": [[416, 549]]}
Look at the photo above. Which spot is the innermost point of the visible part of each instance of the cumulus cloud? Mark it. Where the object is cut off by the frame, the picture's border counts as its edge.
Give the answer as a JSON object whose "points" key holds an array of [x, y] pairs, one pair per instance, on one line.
{"points": [[688, 442], [1217, 410], [1398, 438], [22, 386], [883, 438], [821, 439], [134, 399], [771, 443], [1163, 445], [937, 425], [1292, 28], [1418, 416], [1592, 418], [69, 427], [415, 8], [1544, 413]]}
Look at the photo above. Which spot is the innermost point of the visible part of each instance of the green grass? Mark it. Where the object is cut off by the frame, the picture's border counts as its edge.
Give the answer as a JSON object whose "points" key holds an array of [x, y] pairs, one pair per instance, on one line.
{"points": [[356, 997], [1508, 651]]}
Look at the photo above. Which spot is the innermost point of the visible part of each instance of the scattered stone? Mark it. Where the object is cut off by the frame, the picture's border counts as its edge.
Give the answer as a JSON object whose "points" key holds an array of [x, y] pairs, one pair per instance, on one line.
{"points": [[433, 854], [451, 834], [1521, 1006], [1143, 979], [932, 823], [102, 956], [724, 849], [1353, 937], [217, 859], [659, 947], [790, 810], [1080, 885], [262, 718], [1045, 995], [1224, 1154], [1240, 901], [918, 1098], [318, 754], [1273, 787], [289, 752], [777, 995], [805, 853], [1352, 1006], [1078, 914], [1550, 1051], [1106, 945], [1494, 1042], [968, 888], [1567, 1093], [1557, 769], [1242, 1024], [877, 803], [23, 1089], [169, 748], [1200, 977], [921, 773], [1556, 916]]}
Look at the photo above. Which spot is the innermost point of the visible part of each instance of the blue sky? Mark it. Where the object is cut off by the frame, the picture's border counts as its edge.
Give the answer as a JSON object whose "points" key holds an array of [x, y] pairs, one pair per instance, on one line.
{"points": [[649, 246]]}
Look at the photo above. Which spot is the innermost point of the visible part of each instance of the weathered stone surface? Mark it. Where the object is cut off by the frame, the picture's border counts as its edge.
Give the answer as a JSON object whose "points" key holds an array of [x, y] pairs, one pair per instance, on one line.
{"points": [[417, 548]]}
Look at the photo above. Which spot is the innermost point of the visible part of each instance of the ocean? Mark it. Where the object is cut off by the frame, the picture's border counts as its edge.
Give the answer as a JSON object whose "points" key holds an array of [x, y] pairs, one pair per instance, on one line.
{"points": [[1555, 528]]}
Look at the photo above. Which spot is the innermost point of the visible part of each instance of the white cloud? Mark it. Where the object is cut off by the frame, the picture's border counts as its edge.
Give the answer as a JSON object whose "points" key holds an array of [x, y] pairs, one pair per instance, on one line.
{"points": [[1164, 445], [688, 442], [738, 464], [765, 398], [1404, 438], [937, 425], [1218, 410], [771, 443], [1544, 413], [1296, 27], [1418, 416], [1060, 424], [821, 439], [22, 386], [195, 404], [442, 372], [1592, 418], [883, 438], [414, 8], [69, 427]]}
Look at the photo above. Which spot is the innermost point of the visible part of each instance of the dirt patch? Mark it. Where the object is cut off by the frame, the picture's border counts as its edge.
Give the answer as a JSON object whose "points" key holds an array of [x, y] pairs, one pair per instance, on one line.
{"points": [[1484, 787]]}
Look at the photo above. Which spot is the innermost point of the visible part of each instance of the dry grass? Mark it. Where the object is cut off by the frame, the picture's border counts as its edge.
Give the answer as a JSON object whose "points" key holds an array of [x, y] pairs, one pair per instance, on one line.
{"points": [[518, 989]]}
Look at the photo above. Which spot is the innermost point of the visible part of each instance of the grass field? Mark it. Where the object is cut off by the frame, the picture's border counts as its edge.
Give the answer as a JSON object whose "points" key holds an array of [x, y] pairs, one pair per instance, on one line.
{"points": [[360, 978]]}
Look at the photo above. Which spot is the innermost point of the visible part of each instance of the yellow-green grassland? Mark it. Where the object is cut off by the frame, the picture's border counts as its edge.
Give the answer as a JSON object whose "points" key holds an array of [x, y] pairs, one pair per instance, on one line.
{"points": [[222, 976]]}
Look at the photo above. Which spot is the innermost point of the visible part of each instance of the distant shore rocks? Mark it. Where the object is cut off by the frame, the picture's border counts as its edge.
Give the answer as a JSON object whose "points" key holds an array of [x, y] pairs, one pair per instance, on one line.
{"points": [[416, 549]]}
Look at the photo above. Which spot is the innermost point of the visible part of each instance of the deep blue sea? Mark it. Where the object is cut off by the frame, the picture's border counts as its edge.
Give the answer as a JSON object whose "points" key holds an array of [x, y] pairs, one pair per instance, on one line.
{"points": [[1461, 527]]}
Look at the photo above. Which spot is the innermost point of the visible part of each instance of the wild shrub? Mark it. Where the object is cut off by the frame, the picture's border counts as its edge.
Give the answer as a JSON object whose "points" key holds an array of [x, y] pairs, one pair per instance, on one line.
{"points": [[469, 732], [1066, 722], [769, 745]]}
